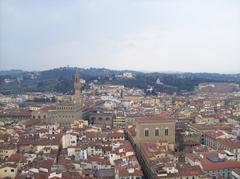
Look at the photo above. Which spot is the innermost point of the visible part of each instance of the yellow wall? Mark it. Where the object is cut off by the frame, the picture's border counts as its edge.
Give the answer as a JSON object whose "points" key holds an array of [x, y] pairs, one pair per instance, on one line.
{"points": [[6, 153], [8, 172]]}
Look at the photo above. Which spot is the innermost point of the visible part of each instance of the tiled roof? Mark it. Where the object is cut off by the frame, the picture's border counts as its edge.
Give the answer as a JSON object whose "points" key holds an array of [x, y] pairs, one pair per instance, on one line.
{"points": [[163, 117]]}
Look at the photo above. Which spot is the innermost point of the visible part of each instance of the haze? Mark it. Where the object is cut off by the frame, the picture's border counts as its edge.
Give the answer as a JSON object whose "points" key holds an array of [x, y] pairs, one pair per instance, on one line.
{"points": [[149, 35]]}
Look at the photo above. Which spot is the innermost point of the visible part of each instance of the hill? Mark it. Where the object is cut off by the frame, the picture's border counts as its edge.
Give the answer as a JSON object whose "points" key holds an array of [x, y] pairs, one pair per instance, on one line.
{"points": [[61, 80]]}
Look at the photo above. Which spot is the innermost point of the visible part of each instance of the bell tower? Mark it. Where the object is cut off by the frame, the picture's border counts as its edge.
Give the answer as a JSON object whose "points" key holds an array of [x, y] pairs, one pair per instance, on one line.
{"points": [[77, 88]]}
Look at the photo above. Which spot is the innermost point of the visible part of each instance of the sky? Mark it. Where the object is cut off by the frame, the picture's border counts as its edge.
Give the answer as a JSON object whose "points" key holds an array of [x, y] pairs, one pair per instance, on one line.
{"points": [[145, 35]]}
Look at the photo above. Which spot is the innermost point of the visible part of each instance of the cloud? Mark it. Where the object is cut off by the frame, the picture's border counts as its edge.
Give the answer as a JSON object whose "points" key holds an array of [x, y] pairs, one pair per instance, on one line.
{"points": [[155, 35], [178, 50]]}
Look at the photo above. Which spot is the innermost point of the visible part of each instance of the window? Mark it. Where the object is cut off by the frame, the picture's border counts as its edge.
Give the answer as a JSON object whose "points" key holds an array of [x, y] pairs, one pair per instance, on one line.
{"points": [[166, 131], [157, 132], [146, 132], [12, 170]]}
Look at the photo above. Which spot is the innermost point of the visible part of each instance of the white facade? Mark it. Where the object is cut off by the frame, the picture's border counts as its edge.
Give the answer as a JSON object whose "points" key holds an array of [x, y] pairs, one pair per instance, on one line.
{"points": [[69, 140]]}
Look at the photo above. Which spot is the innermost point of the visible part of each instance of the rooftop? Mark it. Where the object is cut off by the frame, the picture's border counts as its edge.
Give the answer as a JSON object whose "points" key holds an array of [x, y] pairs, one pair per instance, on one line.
{"points": [[163, 117]]}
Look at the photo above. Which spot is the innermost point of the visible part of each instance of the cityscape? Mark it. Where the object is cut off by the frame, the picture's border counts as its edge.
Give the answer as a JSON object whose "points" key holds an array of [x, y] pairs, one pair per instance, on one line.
{"points": [[128, 89], [113, 131]]}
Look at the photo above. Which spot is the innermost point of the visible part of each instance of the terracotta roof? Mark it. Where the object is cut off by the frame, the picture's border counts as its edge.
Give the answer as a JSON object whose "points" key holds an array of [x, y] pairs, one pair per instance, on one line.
{"points": [[8, 165], [163, 117], [47, 108], [100, 160], [187, 170], [230, 142], [39, 163], [30, 122], [152, 149], [71, 175], [213, 134], [41, 175], [39, 141], [6, 146], [125, 172], [22, 112], [207, 164], [17, 158], [204, 127]]}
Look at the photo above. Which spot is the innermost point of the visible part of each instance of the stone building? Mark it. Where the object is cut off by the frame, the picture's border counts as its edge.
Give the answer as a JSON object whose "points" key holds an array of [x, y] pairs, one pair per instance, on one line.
{"points": [[102, 118], [67, 112], [155, 128]]}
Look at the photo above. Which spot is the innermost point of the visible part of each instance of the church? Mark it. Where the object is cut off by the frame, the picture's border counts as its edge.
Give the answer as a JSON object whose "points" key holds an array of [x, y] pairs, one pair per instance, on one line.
{"points": [[66, 113]]}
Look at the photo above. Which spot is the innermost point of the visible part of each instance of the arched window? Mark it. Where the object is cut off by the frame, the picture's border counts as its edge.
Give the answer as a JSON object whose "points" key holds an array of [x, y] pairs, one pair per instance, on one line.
{"points": [[157, 132], [166, 131], [146, 132]]}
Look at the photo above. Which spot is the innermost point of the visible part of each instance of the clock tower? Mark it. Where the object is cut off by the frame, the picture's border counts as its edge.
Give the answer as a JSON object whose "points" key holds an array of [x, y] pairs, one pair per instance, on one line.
{"points": [[77, 89]]}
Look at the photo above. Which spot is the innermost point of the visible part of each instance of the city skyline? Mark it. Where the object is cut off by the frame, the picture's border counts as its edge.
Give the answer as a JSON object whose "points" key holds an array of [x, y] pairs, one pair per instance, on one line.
{"points": [[161, 36], [123, 89]]}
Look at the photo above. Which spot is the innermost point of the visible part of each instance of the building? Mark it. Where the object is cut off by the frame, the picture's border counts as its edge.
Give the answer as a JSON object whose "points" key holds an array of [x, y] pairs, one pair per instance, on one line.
{"points": [[201, 129], [79, 124], [213, 163], [6, 150], [119, 120], [219, 140], [236, 174], [217, 87], [67, 112], [154, 140], [8, 171], [155, 128], [15, 115], [102, 118], [160, 162]]}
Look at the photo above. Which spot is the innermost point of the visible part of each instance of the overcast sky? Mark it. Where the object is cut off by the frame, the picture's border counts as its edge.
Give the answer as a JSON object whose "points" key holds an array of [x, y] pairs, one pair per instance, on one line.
{"points": [[148, 35]]}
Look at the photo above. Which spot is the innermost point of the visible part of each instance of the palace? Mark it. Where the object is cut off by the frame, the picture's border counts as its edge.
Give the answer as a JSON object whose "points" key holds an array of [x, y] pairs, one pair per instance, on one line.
{"points": [[66, 113]]}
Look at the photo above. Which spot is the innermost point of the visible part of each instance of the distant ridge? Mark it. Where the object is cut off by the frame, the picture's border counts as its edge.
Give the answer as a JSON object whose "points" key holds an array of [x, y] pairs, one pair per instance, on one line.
{"points": [[13, 72], [60, 80]]}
